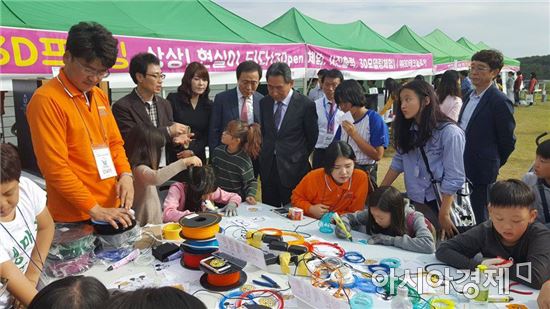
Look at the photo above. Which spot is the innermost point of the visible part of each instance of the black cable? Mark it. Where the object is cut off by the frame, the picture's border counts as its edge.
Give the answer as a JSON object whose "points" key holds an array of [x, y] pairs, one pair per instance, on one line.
{"points": [[302, 225], [306, 235]]}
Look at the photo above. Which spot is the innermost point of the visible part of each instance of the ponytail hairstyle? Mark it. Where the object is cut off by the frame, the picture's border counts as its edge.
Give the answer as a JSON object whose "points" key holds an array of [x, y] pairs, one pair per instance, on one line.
{"points": [[201, 181], [387, 199], [250, 136]]}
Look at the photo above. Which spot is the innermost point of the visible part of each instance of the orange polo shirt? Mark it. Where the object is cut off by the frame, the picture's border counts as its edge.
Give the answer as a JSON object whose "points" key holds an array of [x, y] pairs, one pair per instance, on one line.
{"points": [[319, 188], [62, 131]]}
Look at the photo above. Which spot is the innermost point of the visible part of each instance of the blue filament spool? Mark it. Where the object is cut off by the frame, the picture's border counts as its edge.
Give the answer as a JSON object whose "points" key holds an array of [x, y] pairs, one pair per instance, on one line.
{"points": [[324, 223]]}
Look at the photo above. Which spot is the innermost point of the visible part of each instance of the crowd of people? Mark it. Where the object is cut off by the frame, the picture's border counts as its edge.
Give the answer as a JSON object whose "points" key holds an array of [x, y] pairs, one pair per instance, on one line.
{"points": [[101, 161]]}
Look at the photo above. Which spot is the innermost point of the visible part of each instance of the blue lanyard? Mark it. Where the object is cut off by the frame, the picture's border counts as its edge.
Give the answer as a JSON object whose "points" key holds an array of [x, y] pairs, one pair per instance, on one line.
{"points": [[330, 117]]}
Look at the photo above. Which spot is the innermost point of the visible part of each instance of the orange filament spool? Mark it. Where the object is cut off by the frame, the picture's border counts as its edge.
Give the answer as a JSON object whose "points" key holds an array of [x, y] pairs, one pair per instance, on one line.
{"points": [[271, 231], [223, 279], [298, 238], [198, 226], [200, 232], [192, 260]]}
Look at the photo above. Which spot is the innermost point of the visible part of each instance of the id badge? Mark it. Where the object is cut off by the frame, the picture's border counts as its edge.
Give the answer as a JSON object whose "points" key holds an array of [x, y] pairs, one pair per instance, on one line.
{"points": [[104, 162]]}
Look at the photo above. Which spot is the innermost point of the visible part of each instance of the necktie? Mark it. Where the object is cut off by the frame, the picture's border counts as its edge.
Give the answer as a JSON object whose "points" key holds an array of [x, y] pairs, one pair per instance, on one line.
{"points": [[330, 120], [277, 117], [244, 110]]}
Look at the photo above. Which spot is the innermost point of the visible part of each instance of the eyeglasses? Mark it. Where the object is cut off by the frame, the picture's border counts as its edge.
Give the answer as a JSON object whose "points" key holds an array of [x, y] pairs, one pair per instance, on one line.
{"points": [[157, 76], [479, 68], [91, 72], [252, 83]]}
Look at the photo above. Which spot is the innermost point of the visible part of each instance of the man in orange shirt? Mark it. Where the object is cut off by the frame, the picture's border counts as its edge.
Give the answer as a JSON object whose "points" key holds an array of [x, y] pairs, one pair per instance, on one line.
{"points": [[76, 140]]}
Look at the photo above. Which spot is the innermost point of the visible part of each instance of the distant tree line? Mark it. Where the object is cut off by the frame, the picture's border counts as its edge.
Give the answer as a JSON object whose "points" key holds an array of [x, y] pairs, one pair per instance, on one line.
{"points": [[538, 64]]}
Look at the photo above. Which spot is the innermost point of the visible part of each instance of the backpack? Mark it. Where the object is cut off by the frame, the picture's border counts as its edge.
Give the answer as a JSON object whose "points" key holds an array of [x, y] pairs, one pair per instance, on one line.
{"points": [[410, 225]]}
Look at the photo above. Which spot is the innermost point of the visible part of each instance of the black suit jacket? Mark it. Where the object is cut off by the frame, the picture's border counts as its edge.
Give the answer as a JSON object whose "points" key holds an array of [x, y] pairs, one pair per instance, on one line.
{"points": [[130, 110], [293, 142], [225, 109], [489, 136]]}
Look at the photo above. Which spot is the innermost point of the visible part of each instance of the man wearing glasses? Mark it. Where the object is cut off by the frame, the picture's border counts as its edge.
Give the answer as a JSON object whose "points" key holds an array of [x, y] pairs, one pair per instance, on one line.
{"points": [[241, 102], [75, 137], [487, 118], [144, 104]]}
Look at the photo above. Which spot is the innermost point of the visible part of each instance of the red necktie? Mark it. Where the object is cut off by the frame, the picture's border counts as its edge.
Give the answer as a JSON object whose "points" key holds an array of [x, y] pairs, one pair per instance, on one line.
{"points": [[244, 111]]}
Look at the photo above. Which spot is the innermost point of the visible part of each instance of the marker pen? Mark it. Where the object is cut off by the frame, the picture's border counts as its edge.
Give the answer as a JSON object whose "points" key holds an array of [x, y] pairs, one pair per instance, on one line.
{"points": [[500, 299]]}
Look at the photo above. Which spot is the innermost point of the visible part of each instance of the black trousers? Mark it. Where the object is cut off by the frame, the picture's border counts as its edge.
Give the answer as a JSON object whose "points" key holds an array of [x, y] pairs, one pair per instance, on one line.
{"points": [[273, 192], [479, 198], [318, 158], [256, 167], [516, 97]]}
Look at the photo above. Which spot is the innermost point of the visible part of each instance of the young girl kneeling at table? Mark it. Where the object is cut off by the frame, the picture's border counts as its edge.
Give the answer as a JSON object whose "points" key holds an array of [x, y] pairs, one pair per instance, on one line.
{"points": [[186, 198], [232, 161], [390, 221], [144, 147], [337, 187]]}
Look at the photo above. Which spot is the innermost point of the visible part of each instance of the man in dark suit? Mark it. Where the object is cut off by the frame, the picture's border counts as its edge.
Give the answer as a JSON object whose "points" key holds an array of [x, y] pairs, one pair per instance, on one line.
{"points": [[289, 133], [143, 104], [487, 118], [241, 102]]}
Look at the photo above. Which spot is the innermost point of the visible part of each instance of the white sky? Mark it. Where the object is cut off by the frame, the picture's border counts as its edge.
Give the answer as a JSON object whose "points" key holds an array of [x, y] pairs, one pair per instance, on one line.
{"points": [[517, 28]]}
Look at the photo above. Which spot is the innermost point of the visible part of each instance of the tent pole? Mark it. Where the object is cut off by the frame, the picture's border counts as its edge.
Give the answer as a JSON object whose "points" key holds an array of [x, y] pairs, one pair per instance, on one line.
{"points": [[305, 73]]}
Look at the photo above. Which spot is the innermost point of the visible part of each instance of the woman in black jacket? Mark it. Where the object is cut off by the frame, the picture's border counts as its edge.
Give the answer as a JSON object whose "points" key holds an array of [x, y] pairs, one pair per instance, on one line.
{"points": [[192, 107]]}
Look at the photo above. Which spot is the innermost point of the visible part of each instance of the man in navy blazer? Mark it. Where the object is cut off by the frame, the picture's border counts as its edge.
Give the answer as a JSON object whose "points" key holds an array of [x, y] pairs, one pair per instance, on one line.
{"points": [[289, 133], [228, 105], [487, 118]]}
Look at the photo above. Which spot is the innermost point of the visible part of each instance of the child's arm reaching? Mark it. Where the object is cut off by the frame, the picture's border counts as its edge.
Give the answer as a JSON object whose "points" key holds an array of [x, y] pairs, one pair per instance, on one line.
{"points": [[153, 177], [44, 237], [230, 199], [422, 242], [352, 221], [250, 185], [18, 285], [175, 198], [461, 251]]}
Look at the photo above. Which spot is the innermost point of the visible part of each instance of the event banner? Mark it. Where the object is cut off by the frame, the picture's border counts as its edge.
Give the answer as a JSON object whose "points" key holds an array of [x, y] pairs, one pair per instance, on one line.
{"points": [[345, 60], [457, 65], [27, 51]]}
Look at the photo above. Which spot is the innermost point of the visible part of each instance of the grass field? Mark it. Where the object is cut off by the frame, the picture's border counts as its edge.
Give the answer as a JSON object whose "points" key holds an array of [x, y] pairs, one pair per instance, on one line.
{"points": [[530, 122]]}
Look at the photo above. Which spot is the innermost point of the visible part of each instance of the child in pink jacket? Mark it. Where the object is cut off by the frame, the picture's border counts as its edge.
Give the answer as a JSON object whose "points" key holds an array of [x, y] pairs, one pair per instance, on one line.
{"points": [[185, 198]]}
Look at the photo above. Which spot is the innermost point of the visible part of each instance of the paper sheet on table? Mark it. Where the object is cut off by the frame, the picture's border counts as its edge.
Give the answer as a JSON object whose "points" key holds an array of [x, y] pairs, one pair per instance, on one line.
{"points": [[247, 223], [132, 282], [346, 116], [172, 273]]}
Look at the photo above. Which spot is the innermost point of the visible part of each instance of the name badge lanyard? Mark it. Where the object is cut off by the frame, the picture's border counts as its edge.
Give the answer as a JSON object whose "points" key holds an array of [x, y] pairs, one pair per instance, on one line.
{"points": [[330, 117], [101, 152], [103, 133]]}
